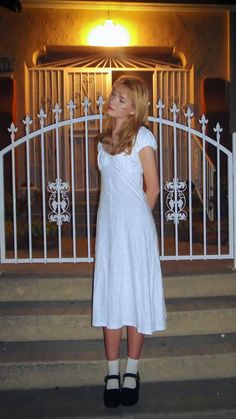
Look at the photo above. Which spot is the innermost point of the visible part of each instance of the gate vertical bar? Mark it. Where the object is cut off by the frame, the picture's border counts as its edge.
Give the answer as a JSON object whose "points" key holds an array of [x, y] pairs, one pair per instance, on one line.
{"points": [[71, 108], [13, 130], [168, 142], [86, 104], [175, 111], [29, 200], [234, 195], [204, 194], [27, 121], [230, 204], [189, 115], [100, 103], [218, 130], [41, 117], [2, 213], [203, 121], [57, 110], [160, 106]]}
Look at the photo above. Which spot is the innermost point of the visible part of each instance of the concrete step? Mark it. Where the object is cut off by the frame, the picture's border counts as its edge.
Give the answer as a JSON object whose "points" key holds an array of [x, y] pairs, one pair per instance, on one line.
{"points": [[34, 287], [198, 399], [62, 320], [80, 363]]}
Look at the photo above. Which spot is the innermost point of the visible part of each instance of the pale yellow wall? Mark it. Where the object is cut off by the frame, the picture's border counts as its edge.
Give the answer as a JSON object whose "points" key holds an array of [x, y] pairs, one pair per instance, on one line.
{"points": [[201, 37]]}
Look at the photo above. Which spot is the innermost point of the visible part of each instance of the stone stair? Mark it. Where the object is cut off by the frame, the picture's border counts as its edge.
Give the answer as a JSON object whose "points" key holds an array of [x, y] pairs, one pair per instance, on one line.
{"points": [[47, 340], [201, 399]]}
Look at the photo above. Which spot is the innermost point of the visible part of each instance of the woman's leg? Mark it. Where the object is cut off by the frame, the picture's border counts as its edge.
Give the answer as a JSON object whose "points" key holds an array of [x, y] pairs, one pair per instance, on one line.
{"points": [[112, 340], [135, 344]]}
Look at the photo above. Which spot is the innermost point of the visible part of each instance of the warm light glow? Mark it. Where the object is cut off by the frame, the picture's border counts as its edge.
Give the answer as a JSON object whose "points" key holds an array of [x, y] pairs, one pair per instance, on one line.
{"points": [[109, 34]]}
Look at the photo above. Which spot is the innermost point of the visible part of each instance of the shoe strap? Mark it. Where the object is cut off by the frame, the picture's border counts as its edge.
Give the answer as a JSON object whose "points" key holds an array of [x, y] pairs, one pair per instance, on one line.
{"points": [[111, 377], [130, 374]]}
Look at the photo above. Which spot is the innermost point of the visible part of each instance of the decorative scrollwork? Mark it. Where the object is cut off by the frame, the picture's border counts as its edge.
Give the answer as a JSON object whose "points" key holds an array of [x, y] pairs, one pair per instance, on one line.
{"points": [[58, 202], [175, 189]]}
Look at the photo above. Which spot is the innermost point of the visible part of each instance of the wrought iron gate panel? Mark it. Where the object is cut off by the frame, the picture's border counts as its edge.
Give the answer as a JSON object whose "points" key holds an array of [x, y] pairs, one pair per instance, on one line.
{"points": [[55, 84], [48, 86], [56, 222]]}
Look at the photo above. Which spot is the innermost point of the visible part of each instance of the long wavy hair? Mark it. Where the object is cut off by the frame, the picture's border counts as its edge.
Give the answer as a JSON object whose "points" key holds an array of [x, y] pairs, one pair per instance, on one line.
{"points": [[137, 92]]}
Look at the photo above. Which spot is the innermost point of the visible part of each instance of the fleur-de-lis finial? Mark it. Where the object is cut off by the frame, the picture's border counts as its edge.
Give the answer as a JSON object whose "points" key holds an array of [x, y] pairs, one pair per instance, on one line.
{"points": [[71, 106], [160, 105], [203, 121], [86, 105], [12, 129], [189, 114], [27, 122], [175, 111], [57, 110], [41, 115], [100, 103], [218, 130]]}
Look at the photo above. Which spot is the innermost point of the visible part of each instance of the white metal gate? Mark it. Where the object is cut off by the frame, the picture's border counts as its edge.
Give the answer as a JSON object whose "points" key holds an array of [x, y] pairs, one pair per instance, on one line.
{"points": [[195, 214]]}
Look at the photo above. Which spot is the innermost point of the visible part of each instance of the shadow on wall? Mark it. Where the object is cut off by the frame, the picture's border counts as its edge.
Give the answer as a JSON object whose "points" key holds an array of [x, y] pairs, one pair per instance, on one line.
{"points": [[7, 115], [215, 105]]}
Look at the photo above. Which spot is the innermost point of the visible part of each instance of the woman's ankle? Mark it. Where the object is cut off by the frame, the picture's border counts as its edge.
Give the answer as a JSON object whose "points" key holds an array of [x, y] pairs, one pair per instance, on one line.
{"points": [[113, 368]]}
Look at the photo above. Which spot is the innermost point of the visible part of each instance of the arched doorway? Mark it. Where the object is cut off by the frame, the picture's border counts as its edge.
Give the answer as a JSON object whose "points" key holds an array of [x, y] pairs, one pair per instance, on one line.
{"points": [[73, 73]]}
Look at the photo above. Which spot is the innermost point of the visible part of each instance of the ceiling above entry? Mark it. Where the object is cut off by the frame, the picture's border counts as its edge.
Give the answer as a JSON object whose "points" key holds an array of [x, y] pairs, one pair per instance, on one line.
{"points": [[113, 58]]}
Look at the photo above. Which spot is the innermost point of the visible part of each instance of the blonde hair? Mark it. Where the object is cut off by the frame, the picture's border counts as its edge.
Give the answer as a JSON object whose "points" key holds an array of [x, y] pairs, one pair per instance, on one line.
{"points": [[138, 94]]}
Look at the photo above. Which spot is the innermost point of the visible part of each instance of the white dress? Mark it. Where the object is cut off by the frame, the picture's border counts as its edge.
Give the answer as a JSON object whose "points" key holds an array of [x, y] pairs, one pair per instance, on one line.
{"points": [[128, 289]]}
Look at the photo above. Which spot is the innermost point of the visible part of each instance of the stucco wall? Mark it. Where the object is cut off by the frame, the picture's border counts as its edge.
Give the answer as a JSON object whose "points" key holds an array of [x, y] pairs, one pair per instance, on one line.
{"points": [[200, 37]]}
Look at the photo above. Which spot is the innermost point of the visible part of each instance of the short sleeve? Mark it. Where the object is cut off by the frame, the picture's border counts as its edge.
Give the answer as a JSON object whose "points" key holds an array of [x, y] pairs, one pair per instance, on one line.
{"points": [[99, 147], [144, 138]]}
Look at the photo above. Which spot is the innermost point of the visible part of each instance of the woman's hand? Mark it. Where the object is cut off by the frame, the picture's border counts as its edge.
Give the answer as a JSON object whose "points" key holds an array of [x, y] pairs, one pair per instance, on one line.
{"points": [[151, 178]]}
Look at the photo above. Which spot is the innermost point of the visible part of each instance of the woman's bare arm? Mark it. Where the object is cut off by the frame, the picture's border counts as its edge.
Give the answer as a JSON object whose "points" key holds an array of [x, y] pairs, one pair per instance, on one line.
{"points": [[148, 161]]}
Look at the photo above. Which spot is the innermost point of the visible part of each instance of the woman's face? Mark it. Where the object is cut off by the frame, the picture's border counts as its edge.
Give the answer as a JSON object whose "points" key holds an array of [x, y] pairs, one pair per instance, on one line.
{"points": [[119, 103]]}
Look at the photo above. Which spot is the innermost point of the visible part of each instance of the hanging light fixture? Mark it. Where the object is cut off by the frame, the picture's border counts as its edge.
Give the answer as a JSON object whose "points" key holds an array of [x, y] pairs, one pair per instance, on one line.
{"points": [[109, 34]]}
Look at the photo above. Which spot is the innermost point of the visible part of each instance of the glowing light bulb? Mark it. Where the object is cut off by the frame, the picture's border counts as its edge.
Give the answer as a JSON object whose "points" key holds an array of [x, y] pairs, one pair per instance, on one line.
{"points": [[109, 34]]}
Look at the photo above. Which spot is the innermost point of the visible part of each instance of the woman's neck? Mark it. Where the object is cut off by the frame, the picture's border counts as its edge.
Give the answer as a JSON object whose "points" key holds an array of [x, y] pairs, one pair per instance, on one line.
{"points": [[117, 126]]}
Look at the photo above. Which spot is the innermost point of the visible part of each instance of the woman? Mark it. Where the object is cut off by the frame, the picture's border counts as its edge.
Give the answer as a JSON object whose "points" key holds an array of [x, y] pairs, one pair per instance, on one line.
{"points": [[128, 287]]}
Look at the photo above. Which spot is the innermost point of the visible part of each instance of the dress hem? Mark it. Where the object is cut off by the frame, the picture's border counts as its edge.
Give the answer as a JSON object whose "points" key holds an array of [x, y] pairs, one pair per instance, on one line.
{"points": [[114, 327]]}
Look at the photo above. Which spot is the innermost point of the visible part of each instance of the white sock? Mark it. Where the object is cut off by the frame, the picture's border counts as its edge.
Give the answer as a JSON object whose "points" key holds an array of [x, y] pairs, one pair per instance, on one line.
{"points": [[131, 367], [113, 369]]}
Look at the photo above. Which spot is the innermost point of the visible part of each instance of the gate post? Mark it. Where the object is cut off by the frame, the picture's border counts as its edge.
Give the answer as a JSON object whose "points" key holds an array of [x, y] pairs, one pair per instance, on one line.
{"points": [[234, 196]]}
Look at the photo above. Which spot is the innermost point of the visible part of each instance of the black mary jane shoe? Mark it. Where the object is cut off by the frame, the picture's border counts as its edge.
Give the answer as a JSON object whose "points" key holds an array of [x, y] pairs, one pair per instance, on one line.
{"points": [[111, 397], [130, 396]]}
